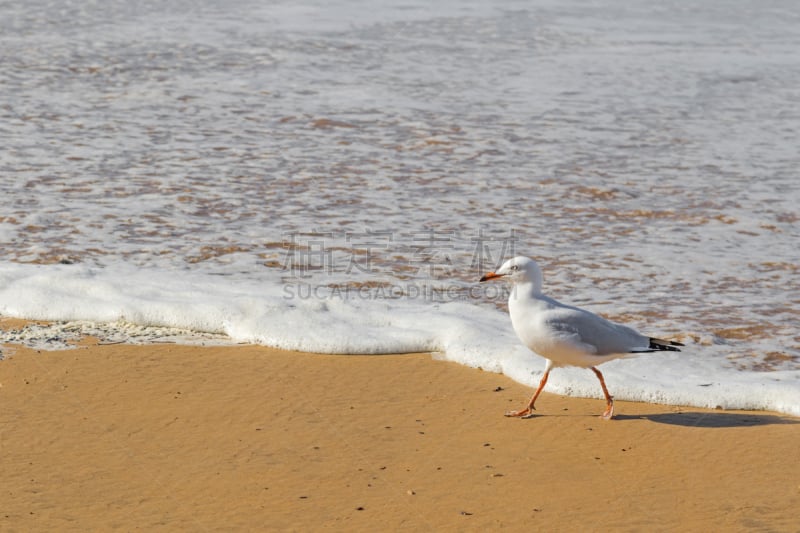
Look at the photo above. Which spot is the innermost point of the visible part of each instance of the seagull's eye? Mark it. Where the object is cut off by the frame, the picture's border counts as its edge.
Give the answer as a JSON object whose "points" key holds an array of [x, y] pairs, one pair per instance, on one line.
{"points": [[514, 268]]}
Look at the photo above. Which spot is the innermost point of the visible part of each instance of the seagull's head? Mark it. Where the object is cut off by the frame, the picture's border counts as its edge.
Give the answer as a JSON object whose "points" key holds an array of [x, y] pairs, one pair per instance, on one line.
{"points": [[518, 270]]}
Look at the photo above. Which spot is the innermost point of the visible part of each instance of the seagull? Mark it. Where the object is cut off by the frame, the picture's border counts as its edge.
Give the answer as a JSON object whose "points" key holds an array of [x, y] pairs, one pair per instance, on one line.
{"points": [[566, 335]]}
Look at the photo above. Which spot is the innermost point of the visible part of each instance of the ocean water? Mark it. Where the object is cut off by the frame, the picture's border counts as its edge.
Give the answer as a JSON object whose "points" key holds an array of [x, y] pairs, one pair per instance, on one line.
{"points": [[335, 177]]}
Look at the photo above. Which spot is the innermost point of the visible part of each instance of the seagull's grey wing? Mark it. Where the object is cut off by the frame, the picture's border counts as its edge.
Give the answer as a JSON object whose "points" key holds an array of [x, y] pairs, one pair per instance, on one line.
{"points": [[602, 336]]}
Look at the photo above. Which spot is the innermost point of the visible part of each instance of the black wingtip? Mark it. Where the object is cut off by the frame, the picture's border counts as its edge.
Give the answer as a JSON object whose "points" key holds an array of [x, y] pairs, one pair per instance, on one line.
{"points": [[661, 344]]}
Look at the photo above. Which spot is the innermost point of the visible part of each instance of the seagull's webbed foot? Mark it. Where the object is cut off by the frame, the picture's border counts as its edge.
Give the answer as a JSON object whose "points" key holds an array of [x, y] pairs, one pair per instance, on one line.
{"points": [[522, 413], [609, 412], [528, 411]]}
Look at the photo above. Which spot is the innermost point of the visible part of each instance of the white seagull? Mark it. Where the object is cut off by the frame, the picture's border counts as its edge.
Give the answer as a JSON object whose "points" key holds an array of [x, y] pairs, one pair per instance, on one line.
{"points": [[566, 335]]}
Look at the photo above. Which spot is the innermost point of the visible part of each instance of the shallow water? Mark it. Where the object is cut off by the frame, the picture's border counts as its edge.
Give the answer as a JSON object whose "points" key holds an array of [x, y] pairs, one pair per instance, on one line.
{"points": [[645, 155]]}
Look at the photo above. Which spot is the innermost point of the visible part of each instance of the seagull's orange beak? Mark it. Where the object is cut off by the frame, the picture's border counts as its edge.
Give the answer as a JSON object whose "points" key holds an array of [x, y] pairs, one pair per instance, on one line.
{"points": [[491, 275]]}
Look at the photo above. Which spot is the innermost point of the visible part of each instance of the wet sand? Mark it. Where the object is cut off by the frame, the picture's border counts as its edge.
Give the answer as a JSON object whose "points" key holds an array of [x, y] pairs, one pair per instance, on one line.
{"points": [[168, 437]]}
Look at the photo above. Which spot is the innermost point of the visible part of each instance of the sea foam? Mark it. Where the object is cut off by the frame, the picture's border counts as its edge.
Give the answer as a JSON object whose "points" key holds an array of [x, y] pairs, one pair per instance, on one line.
{"points": [[266, 313]]}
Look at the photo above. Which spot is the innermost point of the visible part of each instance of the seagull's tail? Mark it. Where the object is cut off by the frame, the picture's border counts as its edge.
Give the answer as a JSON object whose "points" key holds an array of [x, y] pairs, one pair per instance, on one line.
{"points": [[662, 345]]}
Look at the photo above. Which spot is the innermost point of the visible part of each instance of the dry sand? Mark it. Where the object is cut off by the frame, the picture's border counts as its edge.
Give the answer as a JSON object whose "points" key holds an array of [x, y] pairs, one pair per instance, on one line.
{"points": [[167, 437]]}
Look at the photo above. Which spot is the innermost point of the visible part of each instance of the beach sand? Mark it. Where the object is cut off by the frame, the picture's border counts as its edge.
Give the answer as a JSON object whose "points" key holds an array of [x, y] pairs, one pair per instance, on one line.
{"points": [[169, 437]]}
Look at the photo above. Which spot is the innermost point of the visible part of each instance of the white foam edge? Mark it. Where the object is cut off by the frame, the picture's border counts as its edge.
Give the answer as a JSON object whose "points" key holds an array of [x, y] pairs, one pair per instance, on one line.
{"points": [[462, 332]]}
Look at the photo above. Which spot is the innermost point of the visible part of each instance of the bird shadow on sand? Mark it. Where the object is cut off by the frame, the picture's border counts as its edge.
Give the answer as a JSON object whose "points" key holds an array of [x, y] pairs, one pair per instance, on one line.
{"points": [[724, 419]]}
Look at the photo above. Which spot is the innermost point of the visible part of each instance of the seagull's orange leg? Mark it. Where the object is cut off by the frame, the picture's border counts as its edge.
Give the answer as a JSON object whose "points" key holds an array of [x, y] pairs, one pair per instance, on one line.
{"points": [[609, 412], [527, 411]]}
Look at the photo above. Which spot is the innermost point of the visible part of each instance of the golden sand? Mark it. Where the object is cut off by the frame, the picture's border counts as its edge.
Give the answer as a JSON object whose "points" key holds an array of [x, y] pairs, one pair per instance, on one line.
{"points": [[185, 438]]}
